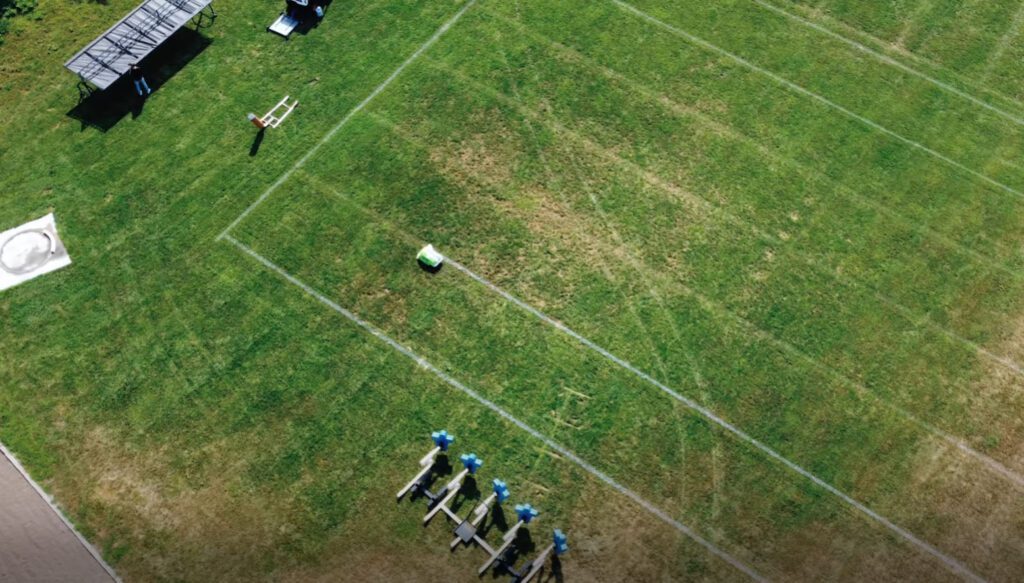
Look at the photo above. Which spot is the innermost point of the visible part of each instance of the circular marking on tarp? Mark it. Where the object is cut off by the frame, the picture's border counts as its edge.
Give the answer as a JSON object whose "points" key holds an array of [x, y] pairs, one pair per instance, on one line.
{"points": [[26, 251]]}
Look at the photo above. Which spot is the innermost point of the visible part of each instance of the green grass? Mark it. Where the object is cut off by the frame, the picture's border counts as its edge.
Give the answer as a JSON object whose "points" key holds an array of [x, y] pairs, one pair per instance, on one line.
{"points": [[818, 283]]}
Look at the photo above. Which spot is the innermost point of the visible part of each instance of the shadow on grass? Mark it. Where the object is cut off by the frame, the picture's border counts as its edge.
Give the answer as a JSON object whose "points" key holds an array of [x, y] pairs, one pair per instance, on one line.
{"points": [[102, 110], [308, 19], [523, 546], [442, 467], [257, 141]]}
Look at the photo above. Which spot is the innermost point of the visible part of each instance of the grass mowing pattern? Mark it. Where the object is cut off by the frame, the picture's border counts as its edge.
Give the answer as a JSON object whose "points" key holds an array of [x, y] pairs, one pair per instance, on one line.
{"points": [[745, 244]]}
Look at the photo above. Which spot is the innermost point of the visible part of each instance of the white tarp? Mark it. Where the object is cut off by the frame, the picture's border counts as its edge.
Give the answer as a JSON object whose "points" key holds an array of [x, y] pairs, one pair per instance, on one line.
{"points": [[31, 250]]}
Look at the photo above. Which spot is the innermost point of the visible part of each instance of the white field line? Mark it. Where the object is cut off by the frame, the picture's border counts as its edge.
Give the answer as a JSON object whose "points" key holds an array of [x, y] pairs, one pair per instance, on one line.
{"points": [[714, 307], [720, 310], [1008, 37], [53, 506], [953, 564], [807, 258], [695, 369], [891, 61], [680, 110], [808, 93], [348, 117], [919, 320], [966, 80], [455, 383]]}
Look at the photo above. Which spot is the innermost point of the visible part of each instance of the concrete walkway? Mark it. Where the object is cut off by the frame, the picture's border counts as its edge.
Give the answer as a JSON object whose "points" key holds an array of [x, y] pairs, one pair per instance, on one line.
{"points": [[37, 544]]}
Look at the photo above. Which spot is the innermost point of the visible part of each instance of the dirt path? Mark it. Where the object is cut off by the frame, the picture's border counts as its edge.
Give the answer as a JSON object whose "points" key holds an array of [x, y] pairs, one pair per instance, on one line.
{"points": [[36, 544]]}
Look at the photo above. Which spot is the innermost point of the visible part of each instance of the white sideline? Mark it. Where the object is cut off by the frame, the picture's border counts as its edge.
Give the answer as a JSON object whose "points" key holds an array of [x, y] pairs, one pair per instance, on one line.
{"points": [[901, 310], [950, 562], [53, 506], [808, 93], [974, 83], [889, 61], [714, 308], [451, 381], [344, 121]]}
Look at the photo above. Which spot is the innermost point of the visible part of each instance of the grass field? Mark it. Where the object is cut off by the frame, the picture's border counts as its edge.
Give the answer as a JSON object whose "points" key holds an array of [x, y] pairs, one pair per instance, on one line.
{"points": [[750, 273]]}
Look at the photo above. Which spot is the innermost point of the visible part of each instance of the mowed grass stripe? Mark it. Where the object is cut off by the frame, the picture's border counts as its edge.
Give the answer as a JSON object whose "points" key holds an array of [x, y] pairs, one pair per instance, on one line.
{"points": [[891, 62], [824, 17], [900, 102], [938, 266], [828, 273], [355, 110], [785, 187], [762, 334], [960, 39], [480, 338], [927, 193], [816, 97], [426, 365], [813, 174], [399, 97], [954, 564]]}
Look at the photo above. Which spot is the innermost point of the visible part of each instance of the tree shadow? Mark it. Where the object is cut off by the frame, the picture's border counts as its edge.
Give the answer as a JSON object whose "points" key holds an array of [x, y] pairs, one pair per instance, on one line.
{"points": [[103, 110]]}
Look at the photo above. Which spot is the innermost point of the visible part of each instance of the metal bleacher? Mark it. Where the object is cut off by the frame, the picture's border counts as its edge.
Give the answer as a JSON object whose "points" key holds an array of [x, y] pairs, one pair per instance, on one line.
{"points": [[145, 28]]}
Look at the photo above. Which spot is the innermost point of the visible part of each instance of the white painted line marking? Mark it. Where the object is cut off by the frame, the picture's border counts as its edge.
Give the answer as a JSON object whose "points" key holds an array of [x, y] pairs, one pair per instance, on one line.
{"points": [[968, 81], [53, 505], [721, 311], [809, 259], [348, 117], [681, 110], [952, 563], [808, 93], [890, 61], [451, 381]]}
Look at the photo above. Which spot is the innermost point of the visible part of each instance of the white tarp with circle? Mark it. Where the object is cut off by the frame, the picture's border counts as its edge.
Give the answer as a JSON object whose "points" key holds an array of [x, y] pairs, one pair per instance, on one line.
{"points": [[31, 250]]}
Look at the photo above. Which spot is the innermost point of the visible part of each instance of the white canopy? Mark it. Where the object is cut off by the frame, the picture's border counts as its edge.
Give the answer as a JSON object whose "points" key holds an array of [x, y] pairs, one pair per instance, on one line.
{"points": [[108, 57]]}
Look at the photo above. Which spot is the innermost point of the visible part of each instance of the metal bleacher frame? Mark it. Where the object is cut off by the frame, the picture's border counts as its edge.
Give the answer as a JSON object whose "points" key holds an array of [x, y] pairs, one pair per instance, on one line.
{"points": [[110, 55]]}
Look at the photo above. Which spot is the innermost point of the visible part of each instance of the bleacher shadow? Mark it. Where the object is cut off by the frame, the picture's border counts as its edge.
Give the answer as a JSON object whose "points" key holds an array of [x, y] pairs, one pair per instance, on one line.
{"points": [[103, 110]]}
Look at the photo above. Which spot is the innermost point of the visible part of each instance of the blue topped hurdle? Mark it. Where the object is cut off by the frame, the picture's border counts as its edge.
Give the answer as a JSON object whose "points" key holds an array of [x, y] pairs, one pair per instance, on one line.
{"points": [[441, 441], [470, 464], [468, 530], [559, 546], [526, 513]]}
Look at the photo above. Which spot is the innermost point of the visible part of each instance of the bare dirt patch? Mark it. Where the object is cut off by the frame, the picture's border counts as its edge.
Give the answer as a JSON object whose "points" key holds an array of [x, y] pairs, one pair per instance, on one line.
{"points": [[147, 503]]}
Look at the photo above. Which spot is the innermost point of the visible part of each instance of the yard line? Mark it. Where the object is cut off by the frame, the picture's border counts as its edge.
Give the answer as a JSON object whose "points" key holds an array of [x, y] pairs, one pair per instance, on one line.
{"points": [[808, 93], [966, 80], [718, 309], [681, 110], [455, 383], [1004, 42], [810, 259], [344, 121], [952, 563], [891, 61], [959, 443]]}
